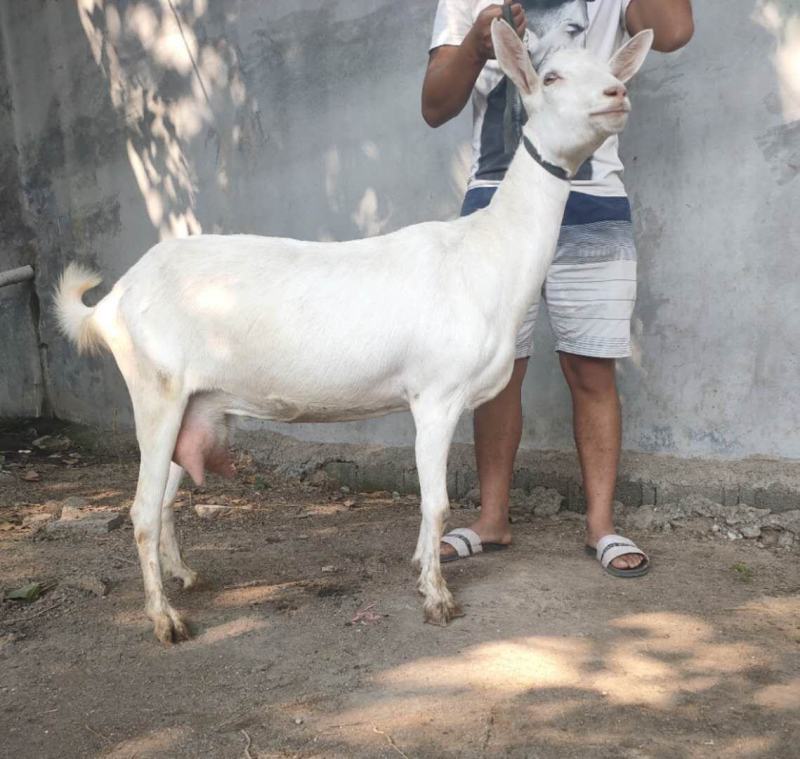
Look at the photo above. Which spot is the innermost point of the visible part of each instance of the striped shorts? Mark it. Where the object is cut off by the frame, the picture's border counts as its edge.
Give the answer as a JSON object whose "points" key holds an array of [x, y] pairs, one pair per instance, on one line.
{"points": [[590, 288]]}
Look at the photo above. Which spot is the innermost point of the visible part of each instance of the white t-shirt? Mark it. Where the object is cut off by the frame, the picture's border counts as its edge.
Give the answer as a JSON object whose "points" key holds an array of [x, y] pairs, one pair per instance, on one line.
{"points": [[599, 25]]}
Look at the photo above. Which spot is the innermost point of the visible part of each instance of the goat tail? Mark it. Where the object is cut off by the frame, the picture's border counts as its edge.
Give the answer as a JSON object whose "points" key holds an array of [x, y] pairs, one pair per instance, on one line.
{"points": [[75, 318]]}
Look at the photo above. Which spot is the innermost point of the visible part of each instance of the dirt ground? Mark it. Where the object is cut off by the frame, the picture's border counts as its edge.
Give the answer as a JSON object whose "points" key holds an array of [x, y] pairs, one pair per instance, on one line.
{"points": [[309, 640]]}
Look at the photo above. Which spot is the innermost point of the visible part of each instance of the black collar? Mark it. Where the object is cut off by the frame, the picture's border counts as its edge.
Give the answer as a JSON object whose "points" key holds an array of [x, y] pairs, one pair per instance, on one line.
{"points": [[556, 171]]}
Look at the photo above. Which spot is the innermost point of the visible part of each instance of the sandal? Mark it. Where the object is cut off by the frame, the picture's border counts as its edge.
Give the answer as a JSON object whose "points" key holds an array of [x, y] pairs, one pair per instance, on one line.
{"points": [[609, 547], [467, 543]]}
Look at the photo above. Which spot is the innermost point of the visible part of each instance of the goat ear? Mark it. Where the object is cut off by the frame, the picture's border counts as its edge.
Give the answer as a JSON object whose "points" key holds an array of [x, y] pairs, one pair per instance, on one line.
{"points": [[513, 57], [630, 57]]}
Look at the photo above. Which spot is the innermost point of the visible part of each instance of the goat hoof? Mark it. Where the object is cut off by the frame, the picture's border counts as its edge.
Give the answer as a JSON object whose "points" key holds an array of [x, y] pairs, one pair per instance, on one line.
{"points": [[441, 613], [171, 628], [188, 578], [191, 580]]}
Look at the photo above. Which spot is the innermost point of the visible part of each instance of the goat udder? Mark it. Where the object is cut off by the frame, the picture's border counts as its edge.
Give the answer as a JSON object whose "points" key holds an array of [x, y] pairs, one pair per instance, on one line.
{"points": [[200, 448]]}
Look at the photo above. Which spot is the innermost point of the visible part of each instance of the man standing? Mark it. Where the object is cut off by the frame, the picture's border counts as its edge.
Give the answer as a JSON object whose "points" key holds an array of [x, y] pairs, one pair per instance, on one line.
{"points": [[590, 288]]}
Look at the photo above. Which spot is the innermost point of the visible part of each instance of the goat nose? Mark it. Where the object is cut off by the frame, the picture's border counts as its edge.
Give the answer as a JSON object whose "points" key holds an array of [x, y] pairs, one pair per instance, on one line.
{"points": [[616, 91]]}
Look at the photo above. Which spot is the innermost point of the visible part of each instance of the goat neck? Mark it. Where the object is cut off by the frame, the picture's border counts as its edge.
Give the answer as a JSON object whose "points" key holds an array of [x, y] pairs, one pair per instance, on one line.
{"points": [[523, 224]]}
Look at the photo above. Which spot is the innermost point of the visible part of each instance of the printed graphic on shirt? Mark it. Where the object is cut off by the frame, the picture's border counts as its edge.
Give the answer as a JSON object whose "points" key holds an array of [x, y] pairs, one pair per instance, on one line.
{"points": [[556, 24]]}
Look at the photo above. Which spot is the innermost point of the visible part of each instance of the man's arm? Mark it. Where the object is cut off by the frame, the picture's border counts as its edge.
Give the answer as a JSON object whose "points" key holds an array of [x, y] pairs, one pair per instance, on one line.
{"points": [[670, 20], [453, 69]]}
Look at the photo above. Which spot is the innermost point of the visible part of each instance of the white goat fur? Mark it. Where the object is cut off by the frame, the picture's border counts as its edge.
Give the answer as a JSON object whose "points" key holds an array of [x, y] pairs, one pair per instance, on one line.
{"points": [[422, 319]]}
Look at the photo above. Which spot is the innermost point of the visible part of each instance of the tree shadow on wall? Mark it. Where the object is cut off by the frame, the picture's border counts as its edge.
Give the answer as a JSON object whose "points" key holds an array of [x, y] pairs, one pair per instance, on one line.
{"points": [[174, 77]]}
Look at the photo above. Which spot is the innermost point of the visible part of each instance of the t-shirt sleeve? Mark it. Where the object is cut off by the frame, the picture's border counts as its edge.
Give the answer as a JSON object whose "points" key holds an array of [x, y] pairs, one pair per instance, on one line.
{"points": [[452, 23], [623, 10]]}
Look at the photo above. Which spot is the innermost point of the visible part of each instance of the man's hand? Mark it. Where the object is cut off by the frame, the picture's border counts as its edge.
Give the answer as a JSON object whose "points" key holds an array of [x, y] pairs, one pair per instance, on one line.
{"points": [[479, 38], [454, 69]]}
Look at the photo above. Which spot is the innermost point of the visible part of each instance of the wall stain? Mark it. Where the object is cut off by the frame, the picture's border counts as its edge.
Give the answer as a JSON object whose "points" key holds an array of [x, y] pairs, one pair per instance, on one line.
{"points": [[780, 146], [657, 439]]}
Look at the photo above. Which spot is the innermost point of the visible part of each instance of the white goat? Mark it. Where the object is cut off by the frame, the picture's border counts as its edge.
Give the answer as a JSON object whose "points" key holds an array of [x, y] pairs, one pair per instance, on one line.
{"points": [[422, 319]]}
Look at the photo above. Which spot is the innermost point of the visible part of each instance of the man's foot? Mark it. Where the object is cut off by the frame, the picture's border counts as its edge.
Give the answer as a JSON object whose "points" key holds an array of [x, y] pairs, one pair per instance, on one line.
{"points": [[612, 558], [603, 527], [488, 532]]}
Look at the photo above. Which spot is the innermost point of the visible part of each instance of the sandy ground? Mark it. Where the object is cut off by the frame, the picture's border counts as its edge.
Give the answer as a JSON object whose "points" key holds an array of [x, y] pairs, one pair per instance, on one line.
{"points": [[553, 659]]}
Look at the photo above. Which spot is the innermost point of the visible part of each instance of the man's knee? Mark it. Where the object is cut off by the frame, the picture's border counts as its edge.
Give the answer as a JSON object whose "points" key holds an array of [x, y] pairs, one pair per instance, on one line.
{"points": [[588, 375]]}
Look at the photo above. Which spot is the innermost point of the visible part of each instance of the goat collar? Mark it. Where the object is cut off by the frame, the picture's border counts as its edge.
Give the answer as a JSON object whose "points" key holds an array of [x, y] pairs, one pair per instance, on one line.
{"points": [[556, 171]]}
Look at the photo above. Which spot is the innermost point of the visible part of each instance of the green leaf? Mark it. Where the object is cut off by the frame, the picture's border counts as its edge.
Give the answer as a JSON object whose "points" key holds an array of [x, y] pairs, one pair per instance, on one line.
{"points": [[29, 592], [743, 572]]}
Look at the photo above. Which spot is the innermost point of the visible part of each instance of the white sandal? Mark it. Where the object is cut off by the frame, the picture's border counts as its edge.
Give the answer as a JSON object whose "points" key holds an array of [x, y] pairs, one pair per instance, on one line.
{"points": [[610, 547], [467, 543]]}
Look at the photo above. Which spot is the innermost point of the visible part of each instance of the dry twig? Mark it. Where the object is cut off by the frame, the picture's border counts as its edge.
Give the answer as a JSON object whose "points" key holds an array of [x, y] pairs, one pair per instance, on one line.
{"points": [[390, 740], [247, 753], [102, 737]]}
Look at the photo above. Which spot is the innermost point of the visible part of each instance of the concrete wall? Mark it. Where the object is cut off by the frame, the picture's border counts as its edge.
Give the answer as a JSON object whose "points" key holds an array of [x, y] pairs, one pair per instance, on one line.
{"points": [[143, 119], [21, 390]]}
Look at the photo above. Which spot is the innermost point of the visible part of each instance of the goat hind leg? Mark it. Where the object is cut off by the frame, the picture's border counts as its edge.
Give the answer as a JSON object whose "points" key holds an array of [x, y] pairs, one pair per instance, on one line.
{"points": [[172, 563], [157, 425], [434, 433]]}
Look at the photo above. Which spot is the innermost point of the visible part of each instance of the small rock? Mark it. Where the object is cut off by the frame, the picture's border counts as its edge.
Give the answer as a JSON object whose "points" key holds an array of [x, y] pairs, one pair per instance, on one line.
{"points": [[699, 505], [87, 583], [769, 537], [785, 540], [344, 489], [642, 518], [74, 502], [574, 516], [99, 521], [70, 513], [700, 525], [328, 569], [395, 495], [750, 531], [546, 501], [349, 503], [790, 520], [53, 443], [732, 535], [31, 476], [298, 720], [320, 479], [210, 510]]}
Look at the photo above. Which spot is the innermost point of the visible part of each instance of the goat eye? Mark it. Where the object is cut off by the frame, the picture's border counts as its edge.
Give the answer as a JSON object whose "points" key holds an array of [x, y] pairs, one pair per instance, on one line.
{"points": [[550, 77]]}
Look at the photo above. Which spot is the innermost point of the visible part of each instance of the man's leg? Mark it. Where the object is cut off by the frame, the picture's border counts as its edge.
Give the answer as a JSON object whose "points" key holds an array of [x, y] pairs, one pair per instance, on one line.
{"points": [[498, 429], [597, 423]]}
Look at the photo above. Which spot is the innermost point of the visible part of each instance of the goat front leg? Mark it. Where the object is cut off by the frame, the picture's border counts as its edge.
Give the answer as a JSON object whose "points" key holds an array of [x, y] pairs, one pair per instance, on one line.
{"points": [[172, 563], [435, 425], [157, 427]]}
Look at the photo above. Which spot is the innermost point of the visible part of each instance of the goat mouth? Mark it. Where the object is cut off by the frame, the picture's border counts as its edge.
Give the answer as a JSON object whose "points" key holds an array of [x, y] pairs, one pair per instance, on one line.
{"points": [[612, 112]]}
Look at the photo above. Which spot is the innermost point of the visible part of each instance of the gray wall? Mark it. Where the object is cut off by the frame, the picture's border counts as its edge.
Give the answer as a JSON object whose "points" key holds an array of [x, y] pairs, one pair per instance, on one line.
{"points": [[21, 391], [302, 119]]}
